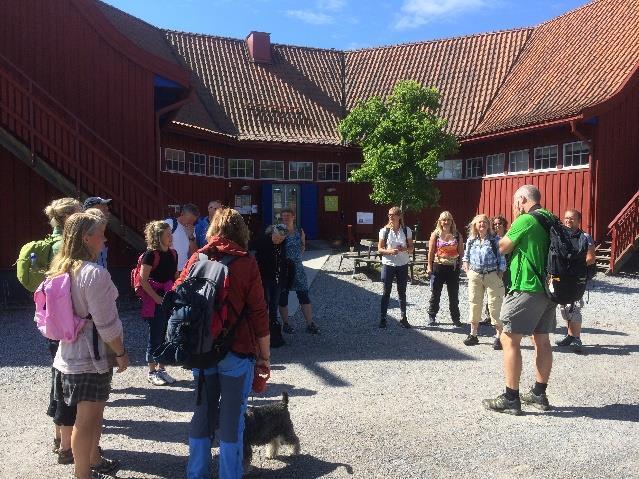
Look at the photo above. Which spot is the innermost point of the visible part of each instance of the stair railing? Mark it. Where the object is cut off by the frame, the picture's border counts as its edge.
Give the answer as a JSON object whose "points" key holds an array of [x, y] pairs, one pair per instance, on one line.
{"points": [[624, 231], [55, 134]]}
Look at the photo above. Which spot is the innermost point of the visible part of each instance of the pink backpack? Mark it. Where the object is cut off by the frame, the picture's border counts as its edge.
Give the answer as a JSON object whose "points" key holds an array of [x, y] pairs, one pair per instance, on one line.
{"points": [[54, 314]]}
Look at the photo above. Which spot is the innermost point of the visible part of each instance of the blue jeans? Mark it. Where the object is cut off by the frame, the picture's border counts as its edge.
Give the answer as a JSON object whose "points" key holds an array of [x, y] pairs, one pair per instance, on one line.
{"points": [[388, 274], [157, 331], [224, 397]]}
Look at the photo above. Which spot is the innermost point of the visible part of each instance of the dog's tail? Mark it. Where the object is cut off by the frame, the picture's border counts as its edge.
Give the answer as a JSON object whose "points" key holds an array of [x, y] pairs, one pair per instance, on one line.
{"points": [[285, 398]]}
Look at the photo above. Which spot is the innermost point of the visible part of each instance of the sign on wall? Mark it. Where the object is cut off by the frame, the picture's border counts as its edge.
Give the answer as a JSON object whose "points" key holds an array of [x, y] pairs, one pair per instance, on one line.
{"points": [[331, 203], [364, 218]]}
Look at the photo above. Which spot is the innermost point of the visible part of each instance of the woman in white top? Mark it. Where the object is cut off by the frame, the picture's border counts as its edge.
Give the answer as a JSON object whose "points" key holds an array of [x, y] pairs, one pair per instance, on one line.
{"points": [[85, 365], [395, 246]]}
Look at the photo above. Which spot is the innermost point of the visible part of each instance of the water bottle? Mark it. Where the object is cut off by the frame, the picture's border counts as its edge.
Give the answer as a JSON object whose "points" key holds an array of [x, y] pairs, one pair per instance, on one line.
{"points": [[33, 258]]}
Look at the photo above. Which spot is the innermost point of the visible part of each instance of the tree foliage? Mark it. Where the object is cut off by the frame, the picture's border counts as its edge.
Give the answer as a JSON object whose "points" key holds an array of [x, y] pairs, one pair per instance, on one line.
{"points": [[402, 141]]}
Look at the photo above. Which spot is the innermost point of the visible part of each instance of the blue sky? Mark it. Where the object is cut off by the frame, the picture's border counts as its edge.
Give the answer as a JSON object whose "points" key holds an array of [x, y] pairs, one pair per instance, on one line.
{"points": [[345, 24]]}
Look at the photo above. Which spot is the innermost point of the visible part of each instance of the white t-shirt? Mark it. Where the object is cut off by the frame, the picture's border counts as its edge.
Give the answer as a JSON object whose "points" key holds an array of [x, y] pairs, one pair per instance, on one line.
{"points": [[180, 243], [395, 240]]}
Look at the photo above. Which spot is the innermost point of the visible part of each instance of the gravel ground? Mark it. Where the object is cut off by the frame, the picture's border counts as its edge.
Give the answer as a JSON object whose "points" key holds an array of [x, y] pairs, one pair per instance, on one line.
{"points": [[366, 402]]}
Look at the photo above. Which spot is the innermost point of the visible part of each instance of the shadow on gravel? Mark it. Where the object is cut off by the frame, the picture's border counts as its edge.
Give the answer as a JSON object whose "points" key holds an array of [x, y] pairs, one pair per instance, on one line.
{"points": [[605, 350], [600, 287], [160, 431], [303, 465], [611, 412], [170, 398], [149, 463], [275, 390]]}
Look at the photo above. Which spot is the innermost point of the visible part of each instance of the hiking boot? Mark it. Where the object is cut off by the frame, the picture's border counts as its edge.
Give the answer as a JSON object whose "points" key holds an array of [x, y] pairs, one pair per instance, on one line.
{"points": [[312, 329], [287, 328], [405, 324], [165, 376], [576, 346], [457, 323], [539, 402], [565, 341], [431, 320], [503, 404], [155, 379], [65, 456], [382, 323], [497, 344], [471, 340], [106, 466]]}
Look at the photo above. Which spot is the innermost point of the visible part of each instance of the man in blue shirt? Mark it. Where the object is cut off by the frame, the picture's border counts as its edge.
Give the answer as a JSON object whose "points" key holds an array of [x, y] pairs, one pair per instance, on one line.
{"points": [[203, 223]]}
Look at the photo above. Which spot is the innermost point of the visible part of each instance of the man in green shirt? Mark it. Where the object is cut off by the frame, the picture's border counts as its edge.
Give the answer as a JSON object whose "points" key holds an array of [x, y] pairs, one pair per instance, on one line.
{"points": [[526, 310]]}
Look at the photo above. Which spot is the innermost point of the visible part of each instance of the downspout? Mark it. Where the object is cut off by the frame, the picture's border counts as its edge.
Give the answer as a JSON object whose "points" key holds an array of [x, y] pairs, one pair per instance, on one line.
{"points": [[593, 173]]}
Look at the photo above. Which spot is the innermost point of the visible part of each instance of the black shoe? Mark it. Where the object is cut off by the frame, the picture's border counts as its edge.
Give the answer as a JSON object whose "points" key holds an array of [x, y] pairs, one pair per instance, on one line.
{"points": [[540, 402], [312, 329], [457, 323], [485, 322], [431, 320], [497, 344], [503, 404], [382, 323], [471, 340], [566, 341], [405, 324], [287, 328]]}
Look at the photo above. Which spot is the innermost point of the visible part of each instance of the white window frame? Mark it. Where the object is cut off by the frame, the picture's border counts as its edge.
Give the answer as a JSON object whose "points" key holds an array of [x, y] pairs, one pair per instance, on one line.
{"points": [[275, 166], [323, 166], [510, 162], [449, 170], [581, 165], [215, 166], [490, 160], [350, 167], [471, 167], [197, 164], [542, 151], [245, 162], [177, 157], [292, 176]]}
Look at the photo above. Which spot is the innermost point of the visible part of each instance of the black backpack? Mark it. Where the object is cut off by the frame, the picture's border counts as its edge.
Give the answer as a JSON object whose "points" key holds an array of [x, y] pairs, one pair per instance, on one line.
{"points": [[387, 232], [197, 334], [566, 269]]}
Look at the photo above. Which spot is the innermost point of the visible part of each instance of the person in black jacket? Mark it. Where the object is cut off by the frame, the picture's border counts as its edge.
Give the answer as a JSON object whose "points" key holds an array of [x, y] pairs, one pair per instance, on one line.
{"points": [[274, 269]]}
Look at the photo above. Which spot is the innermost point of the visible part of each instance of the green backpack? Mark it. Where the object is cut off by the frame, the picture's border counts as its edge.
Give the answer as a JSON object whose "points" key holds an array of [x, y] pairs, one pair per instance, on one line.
{"points": [[33, 261]]}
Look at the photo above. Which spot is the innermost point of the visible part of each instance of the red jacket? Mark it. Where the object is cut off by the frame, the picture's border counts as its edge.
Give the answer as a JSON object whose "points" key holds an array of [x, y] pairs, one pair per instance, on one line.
{"points": [[245, 288]]}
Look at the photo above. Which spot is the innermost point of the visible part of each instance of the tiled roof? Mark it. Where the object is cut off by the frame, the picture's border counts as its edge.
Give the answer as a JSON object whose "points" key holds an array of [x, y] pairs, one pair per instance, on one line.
{"points": [[466, 70], [575, 61]]}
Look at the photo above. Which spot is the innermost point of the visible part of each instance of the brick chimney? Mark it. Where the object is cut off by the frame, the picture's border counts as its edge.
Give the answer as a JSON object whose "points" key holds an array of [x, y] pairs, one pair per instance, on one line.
{"points": [[259, 46]]}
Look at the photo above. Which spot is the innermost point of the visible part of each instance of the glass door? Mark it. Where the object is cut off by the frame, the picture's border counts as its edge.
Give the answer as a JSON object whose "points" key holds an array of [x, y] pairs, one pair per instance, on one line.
{"points": [[286, 196]]}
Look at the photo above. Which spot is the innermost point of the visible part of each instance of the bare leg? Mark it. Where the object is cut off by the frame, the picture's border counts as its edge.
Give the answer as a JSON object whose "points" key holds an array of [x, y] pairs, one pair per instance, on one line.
{"points": [[152, 367], [83, 440], [65, 437], [574, 329], [511, 344], [307, 311], [543, 357]]}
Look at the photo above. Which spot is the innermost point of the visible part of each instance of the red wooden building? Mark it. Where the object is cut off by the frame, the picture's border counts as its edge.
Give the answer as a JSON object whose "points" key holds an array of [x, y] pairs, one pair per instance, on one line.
{"points": [[95, 101]]}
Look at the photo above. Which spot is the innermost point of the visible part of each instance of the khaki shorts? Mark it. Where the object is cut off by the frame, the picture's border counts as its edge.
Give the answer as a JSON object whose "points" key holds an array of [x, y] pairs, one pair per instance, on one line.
{"points": [[528, 313]]}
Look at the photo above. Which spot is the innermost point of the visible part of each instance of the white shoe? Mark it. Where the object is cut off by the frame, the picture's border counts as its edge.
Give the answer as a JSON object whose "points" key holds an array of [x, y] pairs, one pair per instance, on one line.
{"points": [[164, 375], [155, 379]]}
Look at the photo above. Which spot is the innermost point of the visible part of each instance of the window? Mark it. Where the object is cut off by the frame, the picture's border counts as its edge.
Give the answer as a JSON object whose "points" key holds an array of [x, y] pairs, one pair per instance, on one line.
{"points": [[240, 168], [328, 172], [518, 161], [197, 164], [215, 166], [174, 161], [495, 164], [300, 170], [243, 204], [546, 157], [350, 167], [271, 170], [576, 154], [450, 170], [474, 167]]}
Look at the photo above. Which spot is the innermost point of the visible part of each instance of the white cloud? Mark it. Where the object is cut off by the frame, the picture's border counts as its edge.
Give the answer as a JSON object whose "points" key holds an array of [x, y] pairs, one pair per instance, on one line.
{"points": [[308, 16], [331, 5], [415, 13]]}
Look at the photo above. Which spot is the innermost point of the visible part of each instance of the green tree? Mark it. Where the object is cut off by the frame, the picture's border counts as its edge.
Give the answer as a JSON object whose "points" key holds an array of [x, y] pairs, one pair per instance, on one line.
{"points": [[402, 141]]}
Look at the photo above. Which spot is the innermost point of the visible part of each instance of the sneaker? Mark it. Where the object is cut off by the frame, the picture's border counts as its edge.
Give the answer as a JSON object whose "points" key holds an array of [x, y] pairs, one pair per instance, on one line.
{"points": [[65, 456], [540, 402], [155, 379], [471, 340], [503, 404], [106, 466], [565, 341], [382, 323], [577, 346], [457, 323], [497, 344], [431, 320], [287, 328], [165, 376], [312, 329], [99, 475], [405, 324]]}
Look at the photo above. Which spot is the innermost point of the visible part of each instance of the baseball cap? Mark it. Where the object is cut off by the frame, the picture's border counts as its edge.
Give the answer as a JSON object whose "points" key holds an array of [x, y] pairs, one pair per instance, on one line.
{"points": [[91, 201]]}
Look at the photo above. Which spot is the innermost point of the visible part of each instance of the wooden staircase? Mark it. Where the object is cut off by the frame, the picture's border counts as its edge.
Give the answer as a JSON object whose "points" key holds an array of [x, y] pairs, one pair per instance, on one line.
{"points": [[624, 235], [58, 146], [603, 256]]}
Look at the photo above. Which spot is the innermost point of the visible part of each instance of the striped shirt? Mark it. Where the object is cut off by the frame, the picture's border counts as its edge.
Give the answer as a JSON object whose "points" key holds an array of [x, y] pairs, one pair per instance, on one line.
{"points": [[480, 256]]}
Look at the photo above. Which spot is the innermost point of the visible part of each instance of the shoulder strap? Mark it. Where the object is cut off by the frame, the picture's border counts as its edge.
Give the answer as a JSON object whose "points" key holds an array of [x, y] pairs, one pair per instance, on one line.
{"points": [[542, 219], [386, 233], [495, 247], [175, 225], [405, 228]]}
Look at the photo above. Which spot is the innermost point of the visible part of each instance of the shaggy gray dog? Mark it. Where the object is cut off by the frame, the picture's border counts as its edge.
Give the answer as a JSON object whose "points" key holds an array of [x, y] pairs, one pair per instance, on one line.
{"points": [[272, 425]]}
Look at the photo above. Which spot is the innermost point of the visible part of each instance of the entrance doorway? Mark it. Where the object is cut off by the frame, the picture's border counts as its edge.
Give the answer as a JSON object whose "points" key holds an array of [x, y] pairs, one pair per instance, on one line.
{"points": [[285, 196]]}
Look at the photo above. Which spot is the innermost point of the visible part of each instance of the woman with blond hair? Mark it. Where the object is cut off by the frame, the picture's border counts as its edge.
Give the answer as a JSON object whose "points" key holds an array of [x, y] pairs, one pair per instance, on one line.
{"points": [[485, 267], [226, 386], [157, 274], [395, 245], [85, 365], [445, 247], [63, 416]]}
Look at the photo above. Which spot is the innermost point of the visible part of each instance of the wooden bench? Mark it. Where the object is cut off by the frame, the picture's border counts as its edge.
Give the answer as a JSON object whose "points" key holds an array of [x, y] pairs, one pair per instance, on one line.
{"points": [[370, 257], [418, 258]]}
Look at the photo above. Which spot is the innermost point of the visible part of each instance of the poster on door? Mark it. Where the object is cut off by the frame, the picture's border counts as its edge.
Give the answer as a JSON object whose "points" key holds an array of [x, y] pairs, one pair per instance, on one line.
{"points": [[364, 218]]}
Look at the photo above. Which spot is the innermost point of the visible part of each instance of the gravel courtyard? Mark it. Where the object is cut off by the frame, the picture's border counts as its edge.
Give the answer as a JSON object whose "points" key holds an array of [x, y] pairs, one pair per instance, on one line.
{"points": [[366, 403]]}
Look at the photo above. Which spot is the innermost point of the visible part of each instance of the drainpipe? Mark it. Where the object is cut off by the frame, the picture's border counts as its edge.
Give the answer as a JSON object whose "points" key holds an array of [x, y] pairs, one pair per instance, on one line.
{"points": [[593, 173]]}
